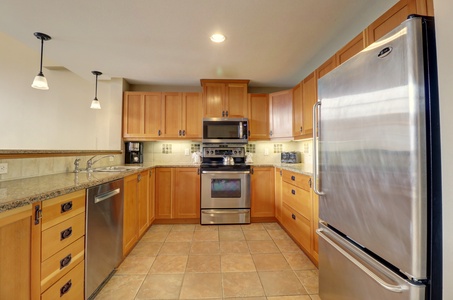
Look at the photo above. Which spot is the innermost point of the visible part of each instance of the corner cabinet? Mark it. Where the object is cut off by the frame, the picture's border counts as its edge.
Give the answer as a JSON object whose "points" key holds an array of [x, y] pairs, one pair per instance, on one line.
{"points": [[280, 108], [262, 198], [224, 98], [258, 116], [20, 253]]}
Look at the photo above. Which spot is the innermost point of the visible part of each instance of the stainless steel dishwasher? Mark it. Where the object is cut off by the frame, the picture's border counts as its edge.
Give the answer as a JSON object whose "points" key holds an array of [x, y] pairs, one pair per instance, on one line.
{"points": [[104, 234]]}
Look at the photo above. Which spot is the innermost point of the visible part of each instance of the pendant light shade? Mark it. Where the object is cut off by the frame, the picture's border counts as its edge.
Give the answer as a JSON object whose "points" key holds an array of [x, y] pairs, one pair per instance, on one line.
{"points": [[95, 104], [40, 81]]}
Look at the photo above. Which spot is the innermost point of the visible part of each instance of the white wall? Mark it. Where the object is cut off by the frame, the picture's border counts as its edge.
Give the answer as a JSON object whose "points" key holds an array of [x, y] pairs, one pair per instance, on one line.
{"points": [[57, 119], [444, 29]]}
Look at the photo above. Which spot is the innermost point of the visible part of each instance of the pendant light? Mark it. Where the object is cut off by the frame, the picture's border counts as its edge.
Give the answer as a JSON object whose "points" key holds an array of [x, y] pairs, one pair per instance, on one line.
{"points": [[40, 81], [95, 103]]}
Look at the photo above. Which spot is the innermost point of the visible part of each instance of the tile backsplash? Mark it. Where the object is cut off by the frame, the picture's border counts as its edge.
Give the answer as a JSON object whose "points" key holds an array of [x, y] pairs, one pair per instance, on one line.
{"points": [[165, 152]]}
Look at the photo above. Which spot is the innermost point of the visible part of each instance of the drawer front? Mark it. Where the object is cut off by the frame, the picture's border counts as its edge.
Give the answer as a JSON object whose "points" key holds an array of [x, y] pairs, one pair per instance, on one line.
{"points": [[61, 235], [61, 263], [297, 198], [297, 225], [61, 208], [299, 180], [69, 287]]}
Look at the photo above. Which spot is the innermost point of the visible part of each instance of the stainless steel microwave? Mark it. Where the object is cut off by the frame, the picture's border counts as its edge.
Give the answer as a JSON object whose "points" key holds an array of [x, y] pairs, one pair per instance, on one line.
{"points": [[225, 130]]}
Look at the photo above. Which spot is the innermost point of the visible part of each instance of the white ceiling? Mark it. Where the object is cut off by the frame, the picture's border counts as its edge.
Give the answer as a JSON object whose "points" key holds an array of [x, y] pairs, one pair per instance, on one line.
{"points": [[274, 43]]}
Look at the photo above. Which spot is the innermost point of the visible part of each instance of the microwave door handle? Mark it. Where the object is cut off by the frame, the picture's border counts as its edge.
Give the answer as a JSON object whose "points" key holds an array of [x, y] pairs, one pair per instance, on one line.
{"points": [[241, 133]]}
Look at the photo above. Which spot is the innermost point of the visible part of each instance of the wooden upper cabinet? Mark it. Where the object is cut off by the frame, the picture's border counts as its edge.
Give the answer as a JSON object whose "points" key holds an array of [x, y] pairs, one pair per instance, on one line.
{"points": [[142, 115], [258, 107], [309, 98], [280, 108], [172, 109], [326, 67], [192, 115], [224, 98], [297, 110], [356, 45]]}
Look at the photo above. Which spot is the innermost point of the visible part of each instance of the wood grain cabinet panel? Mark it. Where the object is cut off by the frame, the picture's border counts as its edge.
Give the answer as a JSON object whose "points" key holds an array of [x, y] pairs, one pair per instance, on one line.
{"points": [[258, 116], [356, 45], [309, 98], [224, 98], [262, 196], [192, 115], [61, 208], [69, 287], [278, 194], [163, 192], [142, 115], [298, 111], [281, 115]]}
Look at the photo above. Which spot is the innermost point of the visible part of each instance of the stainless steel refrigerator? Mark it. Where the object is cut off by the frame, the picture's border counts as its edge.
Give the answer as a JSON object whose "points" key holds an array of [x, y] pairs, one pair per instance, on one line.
{"points": [[377, 171]]}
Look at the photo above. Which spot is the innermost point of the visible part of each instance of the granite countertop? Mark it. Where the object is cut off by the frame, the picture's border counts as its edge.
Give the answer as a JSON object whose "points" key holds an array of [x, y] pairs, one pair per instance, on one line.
{"points": [[21, 192]]}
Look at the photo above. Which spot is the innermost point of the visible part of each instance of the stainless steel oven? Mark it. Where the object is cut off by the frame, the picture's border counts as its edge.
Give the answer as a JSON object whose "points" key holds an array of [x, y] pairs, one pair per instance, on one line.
{"points": [[225, 188]]}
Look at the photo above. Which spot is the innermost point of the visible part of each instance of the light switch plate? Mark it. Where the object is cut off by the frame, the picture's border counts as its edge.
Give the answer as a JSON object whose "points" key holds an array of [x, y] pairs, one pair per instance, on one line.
{"points": [[187, 151]]}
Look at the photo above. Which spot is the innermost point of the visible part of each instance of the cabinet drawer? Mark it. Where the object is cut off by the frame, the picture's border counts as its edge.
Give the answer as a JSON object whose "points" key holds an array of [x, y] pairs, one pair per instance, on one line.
{"points": [[297, 198], [61, 235], [61, 263], [299, 180], [297, 225], [69, 287], [62, 208]]}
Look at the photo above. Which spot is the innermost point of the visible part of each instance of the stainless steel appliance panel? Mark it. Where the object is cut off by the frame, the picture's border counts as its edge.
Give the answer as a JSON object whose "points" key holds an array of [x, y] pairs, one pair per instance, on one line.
{"points": [[372, 149], [348, 273], [225, 189], [225, 130], [104, 234], [225, 216]]}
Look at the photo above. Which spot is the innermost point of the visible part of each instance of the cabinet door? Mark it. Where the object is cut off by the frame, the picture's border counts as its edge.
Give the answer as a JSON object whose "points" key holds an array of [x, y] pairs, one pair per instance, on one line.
{"points": [[152, 114], [356, 45], [309, 98], [297, 111], [192, 115], [143, 202], [213, 100], [258, 116], [186, 193], [326, 67], [151, 193], [262, 192], [172, 111], [278, 194], [281, 114], [130, 220], [164, 182], [390, 19], [19, 254], [133, 116], [236, 100]]}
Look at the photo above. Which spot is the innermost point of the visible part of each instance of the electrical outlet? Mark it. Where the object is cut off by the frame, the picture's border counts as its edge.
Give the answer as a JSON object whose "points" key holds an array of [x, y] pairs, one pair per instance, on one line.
{"points": [[111, 158], [187, 151], [266, 151], [3, 168]]}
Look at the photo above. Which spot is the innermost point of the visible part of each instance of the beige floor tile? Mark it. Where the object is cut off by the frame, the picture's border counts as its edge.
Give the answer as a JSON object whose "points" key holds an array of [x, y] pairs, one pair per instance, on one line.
{"points": [[234, 247], [299, 297], [252, 226], [247, 298], [200, 227], [135, 265], [309, 279], [230, 228], [256, 235], [203, 264], [237, 263], [270, 262], [175, 248], [169, 264], [201, 286], [240, 284], [231, 235], [262, 247], [121, 287], [287, 246], [299, 261], [272, 226], [278, 234], [146, 249], [161, 227], [155, 236], [204, 248], [180, 236], [315, 297], [211, 235], [281, 283], [159, 286], [183, 227]]}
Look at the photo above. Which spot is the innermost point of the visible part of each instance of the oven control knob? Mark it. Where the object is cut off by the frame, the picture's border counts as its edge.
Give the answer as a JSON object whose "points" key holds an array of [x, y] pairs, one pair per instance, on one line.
{"points": [[235, 152]]}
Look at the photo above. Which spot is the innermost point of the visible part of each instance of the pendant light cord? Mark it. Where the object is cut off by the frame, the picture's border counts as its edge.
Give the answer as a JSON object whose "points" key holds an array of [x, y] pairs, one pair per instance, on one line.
{"points": [[40, 66], [96, 92]]}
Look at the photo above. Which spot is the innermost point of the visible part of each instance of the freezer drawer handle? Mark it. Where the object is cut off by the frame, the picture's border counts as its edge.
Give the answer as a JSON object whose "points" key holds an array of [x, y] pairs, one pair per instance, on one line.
{"points": [[107, 195], [390, 287], [316, 135]]}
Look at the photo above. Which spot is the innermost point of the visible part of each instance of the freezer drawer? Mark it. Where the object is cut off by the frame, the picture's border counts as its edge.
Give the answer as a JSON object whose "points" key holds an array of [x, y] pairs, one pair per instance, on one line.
{"points": [[345, 272]]}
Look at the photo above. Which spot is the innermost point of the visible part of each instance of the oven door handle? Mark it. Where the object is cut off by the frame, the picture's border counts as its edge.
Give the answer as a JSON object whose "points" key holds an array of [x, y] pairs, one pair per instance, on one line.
{"points": [[223, 172], [225, 211]]}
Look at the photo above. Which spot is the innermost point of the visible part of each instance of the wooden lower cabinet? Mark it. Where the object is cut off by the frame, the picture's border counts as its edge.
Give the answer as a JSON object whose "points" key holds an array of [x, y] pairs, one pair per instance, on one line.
{"points": [[19, 254], [298, 226], [278, 194], [151, 190], [262, 192], [177, 193], [70, 286]]}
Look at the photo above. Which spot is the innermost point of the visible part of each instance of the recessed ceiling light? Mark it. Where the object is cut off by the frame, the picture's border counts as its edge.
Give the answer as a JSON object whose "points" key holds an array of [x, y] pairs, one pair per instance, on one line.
{"points": [[217, 38]]}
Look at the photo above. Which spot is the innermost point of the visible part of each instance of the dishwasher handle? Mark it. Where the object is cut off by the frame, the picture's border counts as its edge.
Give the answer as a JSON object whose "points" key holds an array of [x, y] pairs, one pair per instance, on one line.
{"points": [[106, 195]]}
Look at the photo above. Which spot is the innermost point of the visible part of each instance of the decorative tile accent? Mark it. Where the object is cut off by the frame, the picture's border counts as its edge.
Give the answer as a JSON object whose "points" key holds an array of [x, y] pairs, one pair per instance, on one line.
{"points": [[195, 148], [278, 148], [167, 148], [251, 148]]}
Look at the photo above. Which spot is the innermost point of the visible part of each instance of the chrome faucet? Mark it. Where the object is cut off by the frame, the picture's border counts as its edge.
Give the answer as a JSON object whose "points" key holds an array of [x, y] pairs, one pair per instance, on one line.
{"points": [[76, 165], [91, 162]]}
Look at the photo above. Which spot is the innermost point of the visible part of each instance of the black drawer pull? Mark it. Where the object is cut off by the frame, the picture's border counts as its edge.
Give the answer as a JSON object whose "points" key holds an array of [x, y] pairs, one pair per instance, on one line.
{"points": [[65, 261], [65, 288], [293, 177], [65, 233], [293, 216], [66, 207], [293, 192]]}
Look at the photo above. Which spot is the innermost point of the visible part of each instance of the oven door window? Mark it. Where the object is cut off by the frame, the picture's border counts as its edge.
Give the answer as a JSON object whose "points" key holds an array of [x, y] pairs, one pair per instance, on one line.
{"points": [[226, 188]]}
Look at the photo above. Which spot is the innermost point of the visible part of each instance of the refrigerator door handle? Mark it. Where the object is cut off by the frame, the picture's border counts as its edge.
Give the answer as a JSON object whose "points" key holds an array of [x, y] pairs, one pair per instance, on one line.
{"points": [[315, 149], [387, 286]]}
